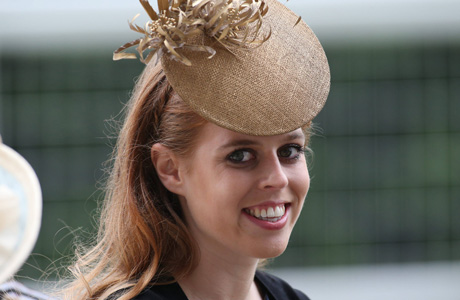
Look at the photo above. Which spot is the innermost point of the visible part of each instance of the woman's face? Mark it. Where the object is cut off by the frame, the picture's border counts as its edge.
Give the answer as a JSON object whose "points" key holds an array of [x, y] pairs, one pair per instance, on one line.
{"points": [[244, 193]]}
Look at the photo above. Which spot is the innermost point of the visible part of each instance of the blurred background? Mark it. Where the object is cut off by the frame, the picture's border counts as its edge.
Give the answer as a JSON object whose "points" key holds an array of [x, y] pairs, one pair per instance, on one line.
{"points": [[381, 220]]}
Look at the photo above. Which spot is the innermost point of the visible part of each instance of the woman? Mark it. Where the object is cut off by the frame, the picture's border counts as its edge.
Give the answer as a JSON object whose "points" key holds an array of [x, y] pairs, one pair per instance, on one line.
{"points": [[209, 172]]}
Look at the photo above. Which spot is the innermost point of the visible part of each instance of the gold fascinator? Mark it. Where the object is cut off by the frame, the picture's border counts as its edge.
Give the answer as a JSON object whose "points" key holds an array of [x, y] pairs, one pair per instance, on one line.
{"points": [[233, 23], [253, 67]]}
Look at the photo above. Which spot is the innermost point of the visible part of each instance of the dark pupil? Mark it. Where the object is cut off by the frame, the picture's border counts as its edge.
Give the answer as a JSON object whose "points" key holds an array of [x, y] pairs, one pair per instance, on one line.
{"points": [[286, 152], [238, 156]]}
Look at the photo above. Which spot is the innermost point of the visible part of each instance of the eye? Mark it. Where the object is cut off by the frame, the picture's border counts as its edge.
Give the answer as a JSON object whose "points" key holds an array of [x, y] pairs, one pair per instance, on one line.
{"points": [[290, 152], [240, 156]]}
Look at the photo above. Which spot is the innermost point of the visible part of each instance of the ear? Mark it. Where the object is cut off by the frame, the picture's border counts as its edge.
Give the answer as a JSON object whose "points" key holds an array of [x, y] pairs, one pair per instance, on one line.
{"points": [[166, 164]]}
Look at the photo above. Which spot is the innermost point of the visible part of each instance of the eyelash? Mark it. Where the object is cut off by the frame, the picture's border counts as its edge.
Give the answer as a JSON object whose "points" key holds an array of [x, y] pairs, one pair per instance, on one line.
{"points": [[300, 151]]}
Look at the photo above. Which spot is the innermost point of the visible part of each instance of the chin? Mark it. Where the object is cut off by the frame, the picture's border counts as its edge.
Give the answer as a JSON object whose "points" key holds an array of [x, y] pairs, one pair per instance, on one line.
{"points": [[271, 250]]}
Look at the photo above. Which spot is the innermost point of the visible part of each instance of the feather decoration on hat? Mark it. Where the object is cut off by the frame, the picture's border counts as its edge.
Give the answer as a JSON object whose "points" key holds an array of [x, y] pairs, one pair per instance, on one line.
{"points": [[179, 23]]}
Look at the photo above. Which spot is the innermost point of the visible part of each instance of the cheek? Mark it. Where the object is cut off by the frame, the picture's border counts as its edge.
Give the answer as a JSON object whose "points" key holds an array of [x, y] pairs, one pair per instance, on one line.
{"points": [[205, 191], [300, 184], [301, 181]]}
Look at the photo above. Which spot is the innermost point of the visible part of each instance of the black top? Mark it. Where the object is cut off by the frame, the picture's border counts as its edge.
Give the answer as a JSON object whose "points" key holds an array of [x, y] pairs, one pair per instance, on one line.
{"points": [[271, 286]]}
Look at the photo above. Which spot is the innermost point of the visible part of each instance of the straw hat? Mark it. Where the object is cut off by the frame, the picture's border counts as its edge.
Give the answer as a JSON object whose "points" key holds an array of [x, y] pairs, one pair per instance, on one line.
{"points": [[266, 77], [20, 211]]}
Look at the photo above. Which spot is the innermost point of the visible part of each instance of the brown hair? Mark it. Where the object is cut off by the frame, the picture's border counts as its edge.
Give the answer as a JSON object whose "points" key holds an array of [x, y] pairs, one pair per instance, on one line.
{"points": [[142, 238]]}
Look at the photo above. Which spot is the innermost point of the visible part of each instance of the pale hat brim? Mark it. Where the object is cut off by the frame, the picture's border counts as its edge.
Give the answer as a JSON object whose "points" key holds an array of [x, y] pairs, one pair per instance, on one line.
{"points": [[20, 211]]}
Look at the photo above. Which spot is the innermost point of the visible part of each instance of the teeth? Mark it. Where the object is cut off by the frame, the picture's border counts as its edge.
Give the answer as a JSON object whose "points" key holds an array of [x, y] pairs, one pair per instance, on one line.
{"points": [[263, 213], [278, 212], [269, 214], [256, 212]]}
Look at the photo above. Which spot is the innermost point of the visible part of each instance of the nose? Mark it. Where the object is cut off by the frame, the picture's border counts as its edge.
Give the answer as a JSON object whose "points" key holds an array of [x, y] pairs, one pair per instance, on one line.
{"points": [[273, 175]]}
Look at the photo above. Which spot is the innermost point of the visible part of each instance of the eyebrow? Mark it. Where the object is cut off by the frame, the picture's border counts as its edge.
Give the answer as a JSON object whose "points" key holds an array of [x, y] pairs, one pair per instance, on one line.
{"points": [[246, 142]]}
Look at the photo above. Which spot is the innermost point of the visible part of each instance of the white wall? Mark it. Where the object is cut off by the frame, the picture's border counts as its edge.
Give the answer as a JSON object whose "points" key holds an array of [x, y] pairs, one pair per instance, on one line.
{"points": [[64, 24], [427, 281]]}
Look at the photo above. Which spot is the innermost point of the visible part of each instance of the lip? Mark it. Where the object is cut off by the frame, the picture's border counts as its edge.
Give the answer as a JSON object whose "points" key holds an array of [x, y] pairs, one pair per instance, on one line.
{"points": [[269, 204], [270, 225]]}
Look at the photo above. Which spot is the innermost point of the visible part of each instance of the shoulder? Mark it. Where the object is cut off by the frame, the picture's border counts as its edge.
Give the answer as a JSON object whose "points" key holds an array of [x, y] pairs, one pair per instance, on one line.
{"points": [[278, 288], [162, 292]]}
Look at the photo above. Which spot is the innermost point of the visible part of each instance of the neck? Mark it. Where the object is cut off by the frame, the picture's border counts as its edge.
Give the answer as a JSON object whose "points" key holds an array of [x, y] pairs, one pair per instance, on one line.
{"points": [[221, 277]]}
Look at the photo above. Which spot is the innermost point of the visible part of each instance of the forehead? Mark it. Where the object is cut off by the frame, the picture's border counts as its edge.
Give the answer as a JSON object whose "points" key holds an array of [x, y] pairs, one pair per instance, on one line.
{"points": [[212, 134]]}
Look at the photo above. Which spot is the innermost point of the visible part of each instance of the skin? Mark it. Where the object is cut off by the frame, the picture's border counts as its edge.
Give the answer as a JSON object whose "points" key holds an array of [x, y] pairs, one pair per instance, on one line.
{"points": [[226, 174]]}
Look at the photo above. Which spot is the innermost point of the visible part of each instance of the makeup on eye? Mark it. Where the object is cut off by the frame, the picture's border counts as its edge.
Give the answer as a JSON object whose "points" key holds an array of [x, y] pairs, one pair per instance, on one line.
{"points": [[241, 156], [291, 151], [288, 153]]}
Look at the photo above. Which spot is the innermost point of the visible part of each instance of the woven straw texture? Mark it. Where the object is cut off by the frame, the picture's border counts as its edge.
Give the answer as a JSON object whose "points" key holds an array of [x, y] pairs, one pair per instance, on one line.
{"points": [[273, 89]]}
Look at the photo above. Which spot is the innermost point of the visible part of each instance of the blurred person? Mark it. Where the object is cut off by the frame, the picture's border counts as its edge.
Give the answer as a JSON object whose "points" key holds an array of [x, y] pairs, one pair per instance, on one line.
{"points": [[209, 173], [13, 290], [20, 219]]}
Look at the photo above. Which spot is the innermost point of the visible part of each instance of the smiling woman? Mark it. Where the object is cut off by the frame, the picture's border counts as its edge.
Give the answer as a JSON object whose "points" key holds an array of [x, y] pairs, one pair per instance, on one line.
{"points": [[209, 172], [229, 195]]}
